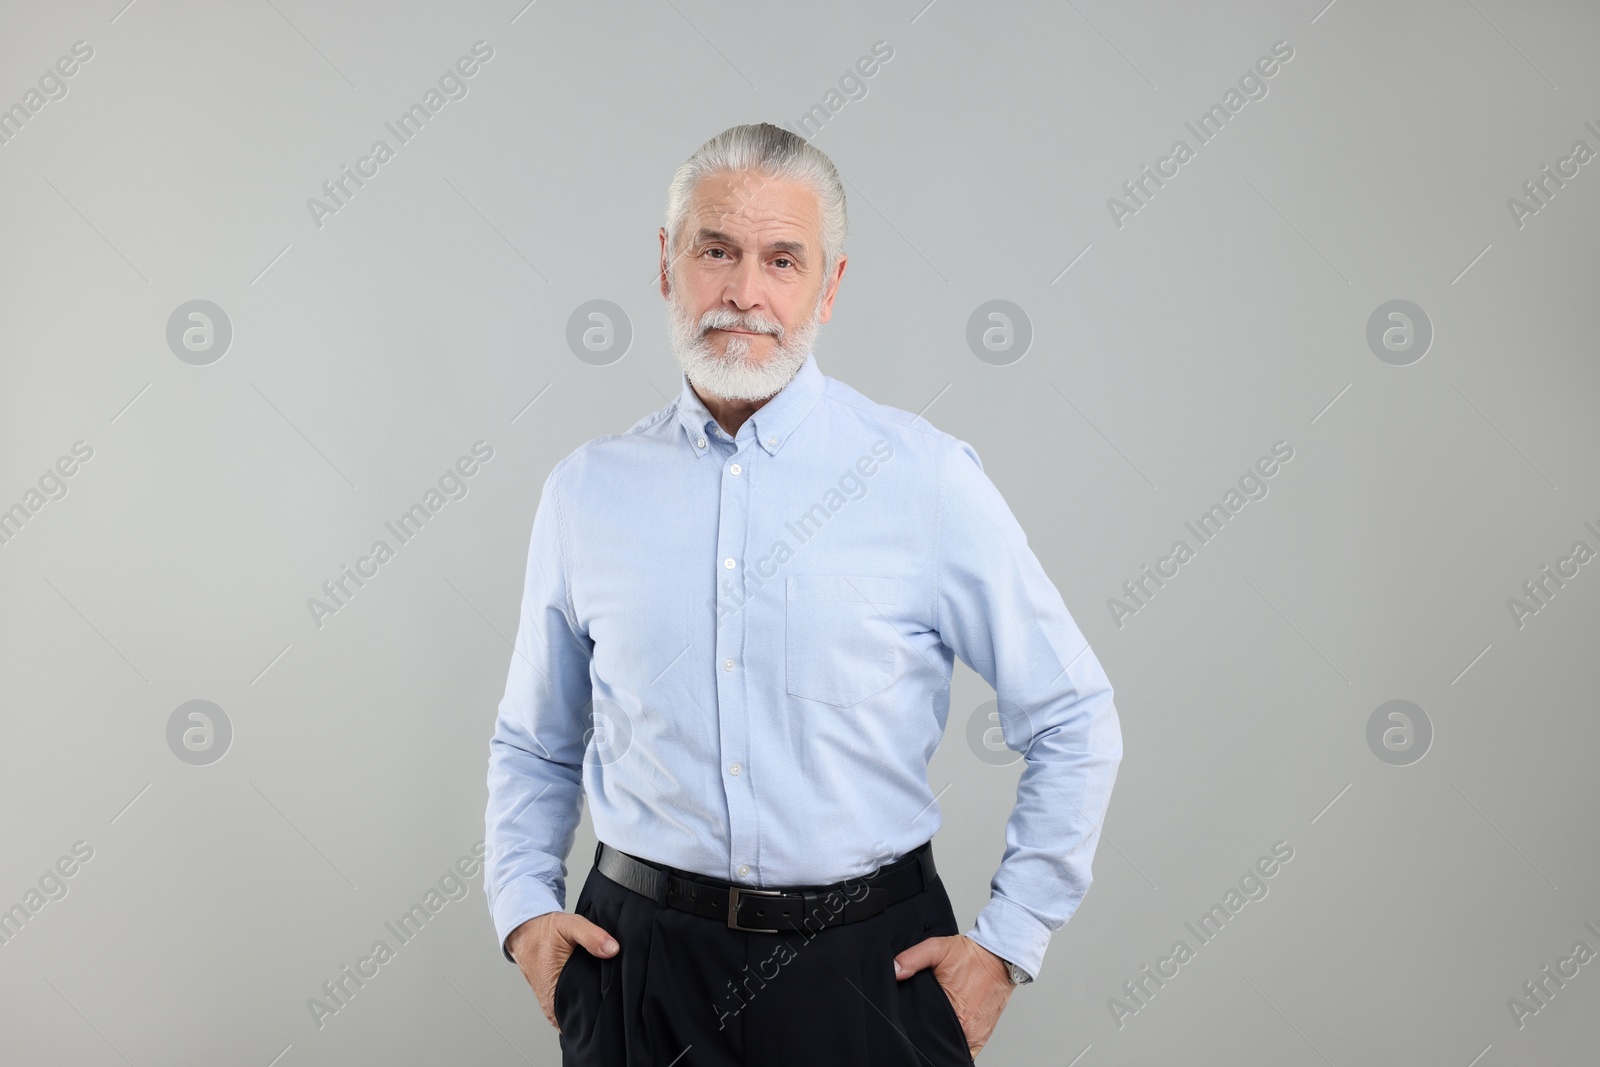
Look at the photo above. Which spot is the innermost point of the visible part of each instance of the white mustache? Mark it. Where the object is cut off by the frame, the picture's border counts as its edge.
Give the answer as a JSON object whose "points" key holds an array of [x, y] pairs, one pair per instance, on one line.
{"points": [[717, 320]]}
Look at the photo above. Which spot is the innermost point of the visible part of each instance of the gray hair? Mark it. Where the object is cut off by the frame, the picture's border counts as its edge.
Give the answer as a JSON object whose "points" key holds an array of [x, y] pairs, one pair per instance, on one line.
{"points": [[771, 151]]}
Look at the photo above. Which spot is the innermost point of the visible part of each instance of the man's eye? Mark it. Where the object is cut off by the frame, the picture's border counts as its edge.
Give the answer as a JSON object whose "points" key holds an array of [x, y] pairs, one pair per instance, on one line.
{"points": [[784, 259], [717, 250]]}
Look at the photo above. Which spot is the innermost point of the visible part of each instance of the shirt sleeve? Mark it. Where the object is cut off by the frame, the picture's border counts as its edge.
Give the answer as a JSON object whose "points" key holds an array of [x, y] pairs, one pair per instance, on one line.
{"points": [[998, 610], [536, 753]]}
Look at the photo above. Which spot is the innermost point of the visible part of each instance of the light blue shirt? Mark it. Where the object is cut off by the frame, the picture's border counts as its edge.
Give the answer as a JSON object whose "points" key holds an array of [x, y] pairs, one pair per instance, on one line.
{"points": [[740, 650]]}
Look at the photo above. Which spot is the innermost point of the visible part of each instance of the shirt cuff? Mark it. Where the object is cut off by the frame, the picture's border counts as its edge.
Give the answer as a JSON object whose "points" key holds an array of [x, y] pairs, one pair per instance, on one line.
{"points": [[1012, 933], [518, 901]]}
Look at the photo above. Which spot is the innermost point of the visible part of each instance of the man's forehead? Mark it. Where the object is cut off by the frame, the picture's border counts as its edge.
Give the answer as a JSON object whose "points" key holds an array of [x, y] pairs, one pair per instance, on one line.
{"points": [[745, 201]]}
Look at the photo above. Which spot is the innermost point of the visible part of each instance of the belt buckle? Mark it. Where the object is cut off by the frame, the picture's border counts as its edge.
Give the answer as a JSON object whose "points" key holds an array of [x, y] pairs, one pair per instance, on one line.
{"points": [[734, 893]]}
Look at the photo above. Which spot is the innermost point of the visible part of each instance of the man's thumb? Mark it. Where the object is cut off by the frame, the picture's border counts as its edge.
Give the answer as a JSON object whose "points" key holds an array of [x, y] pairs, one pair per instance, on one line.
{"points": [[596, 940], [924, 953]]}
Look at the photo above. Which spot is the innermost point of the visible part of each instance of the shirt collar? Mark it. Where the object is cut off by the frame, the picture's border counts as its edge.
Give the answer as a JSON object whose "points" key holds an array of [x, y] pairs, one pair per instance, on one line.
{"points": [[773, 421]]}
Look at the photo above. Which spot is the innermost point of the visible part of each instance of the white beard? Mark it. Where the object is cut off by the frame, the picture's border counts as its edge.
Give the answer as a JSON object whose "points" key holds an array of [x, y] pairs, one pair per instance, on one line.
{"points": [[735, 376]]}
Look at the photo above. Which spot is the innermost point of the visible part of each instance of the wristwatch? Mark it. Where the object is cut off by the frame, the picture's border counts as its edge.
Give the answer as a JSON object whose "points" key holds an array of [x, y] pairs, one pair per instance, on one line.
{"points": [[1018, 975]]}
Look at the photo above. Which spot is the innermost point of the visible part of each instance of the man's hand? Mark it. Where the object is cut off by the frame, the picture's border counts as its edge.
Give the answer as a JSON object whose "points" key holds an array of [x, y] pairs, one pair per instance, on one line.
{"points": [[542, 945], [975, 980]]}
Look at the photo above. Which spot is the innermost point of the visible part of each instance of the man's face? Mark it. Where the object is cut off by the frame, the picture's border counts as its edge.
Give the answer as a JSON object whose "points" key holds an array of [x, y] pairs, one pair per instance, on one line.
{"points": [[746, 287]]}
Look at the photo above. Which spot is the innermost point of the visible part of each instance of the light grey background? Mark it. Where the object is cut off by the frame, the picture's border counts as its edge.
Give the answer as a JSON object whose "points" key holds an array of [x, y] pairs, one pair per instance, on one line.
{"points": [[1227, 314]]}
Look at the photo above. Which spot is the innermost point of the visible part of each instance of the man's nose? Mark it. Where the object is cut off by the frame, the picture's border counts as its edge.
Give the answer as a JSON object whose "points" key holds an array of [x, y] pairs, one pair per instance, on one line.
{"points": [[743, 290]]}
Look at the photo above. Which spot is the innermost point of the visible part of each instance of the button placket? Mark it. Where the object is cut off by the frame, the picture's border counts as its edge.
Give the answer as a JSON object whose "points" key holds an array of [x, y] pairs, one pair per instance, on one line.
{"points": [[732, 640]]}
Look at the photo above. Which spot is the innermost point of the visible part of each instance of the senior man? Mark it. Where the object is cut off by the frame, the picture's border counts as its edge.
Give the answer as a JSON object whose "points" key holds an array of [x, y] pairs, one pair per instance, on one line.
{"points": [[738, 627]]}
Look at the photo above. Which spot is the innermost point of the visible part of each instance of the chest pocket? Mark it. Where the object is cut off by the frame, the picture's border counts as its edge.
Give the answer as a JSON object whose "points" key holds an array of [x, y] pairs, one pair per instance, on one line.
{"points": [[840, 646]]}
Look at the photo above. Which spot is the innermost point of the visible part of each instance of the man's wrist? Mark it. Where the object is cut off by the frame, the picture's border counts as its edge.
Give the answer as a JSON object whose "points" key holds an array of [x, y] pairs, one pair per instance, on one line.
{"points": [[1017, 975]]}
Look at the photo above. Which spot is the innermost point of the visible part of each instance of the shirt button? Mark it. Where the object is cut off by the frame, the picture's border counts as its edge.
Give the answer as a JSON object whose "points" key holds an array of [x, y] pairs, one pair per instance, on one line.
{"points": [[744, 869], [727, 664], [735, 469], [700, 443], [773, 441], [728, 563], [734, 769]]}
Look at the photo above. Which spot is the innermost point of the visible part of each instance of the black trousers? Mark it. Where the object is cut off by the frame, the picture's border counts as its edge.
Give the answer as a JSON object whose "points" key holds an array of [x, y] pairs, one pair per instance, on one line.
{"points": [[687, 991]]}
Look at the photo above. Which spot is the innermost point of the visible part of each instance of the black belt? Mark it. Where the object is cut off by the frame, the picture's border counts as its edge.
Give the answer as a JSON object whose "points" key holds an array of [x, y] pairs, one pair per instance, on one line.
{"points": [[770, 911]]}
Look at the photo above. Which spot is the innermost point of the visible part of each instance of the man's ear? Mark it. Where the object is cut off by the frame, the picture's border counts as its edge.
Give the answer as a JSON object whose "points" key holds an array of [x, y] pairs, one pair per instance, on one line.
{"points": [[666, 275], [831, 290]]}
